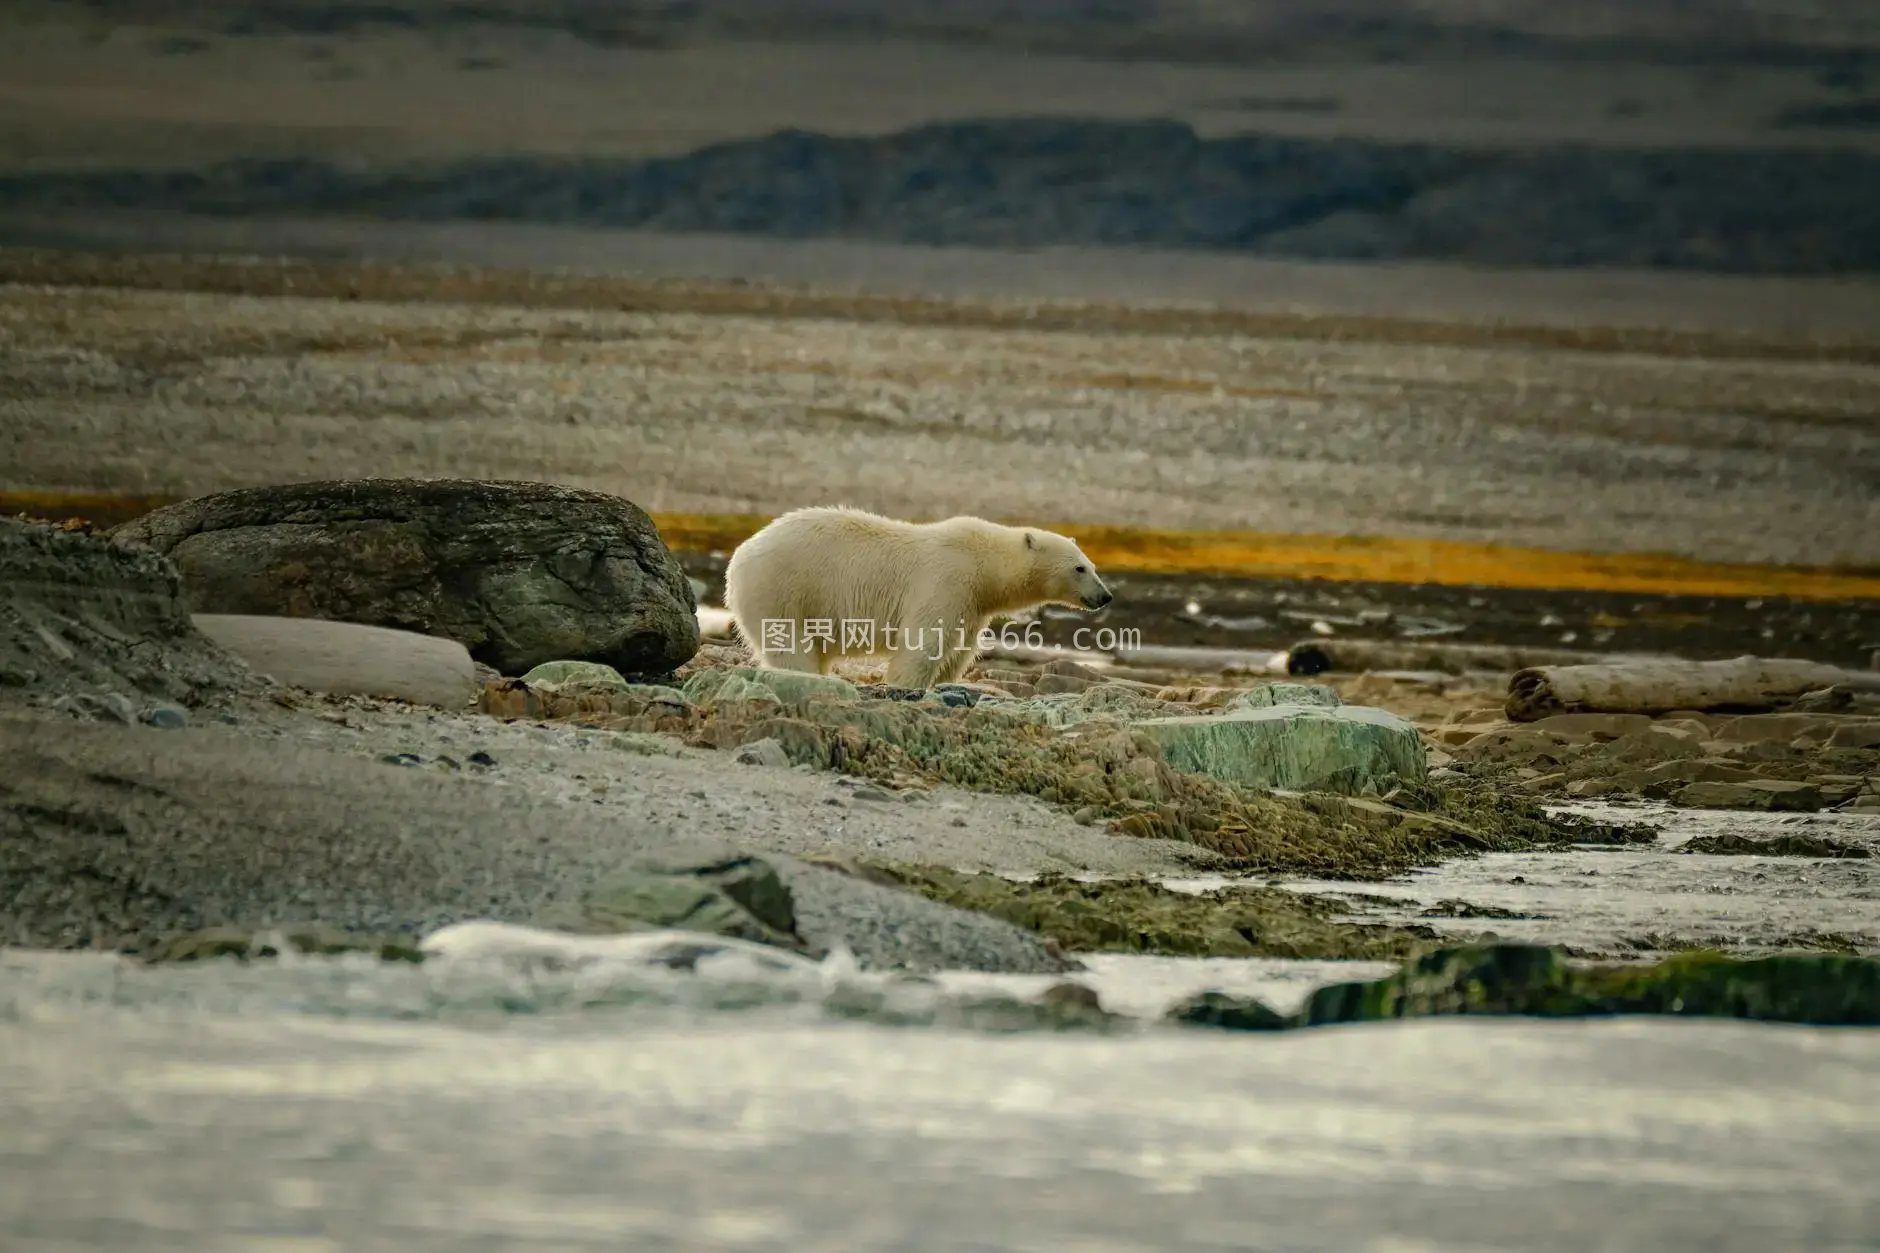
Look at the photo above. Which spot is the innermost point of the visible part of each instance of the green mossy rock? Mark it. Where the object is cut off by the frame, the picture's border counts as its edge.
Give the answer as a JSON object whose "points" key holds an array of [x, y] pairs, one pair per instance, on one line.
{"points": [[783, 687], [560, 674], [737, 896], [1267, 695], [1347, 749]]}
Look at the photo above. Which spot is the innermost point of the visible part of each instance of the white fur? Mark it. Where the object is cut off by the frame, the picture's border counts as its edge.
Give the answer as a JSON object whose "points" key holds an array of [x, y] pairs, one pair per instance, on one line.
{"points": [[838, 564]]}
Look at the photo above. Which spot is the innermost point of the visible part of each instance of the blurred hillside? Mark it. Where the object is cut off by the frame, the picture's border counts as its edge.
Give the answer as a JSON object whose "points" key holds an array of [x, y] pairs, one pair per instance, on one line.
{"points": [[1723, 135]]}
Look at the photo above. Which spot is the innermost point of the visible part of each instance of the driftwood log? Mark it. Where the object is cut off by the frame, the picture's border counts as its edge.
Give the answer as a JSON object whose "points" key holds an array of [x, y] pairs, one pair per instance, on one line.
{"points": [[1650, 686], [1358, 656]]}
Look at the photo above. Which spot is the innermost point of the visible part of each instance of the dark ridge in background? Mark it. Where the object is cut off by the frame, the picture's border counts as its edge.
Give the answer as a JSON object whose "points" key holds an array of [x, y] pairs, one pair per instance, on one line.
{"points": [[1043, 182], [1840, 37]]}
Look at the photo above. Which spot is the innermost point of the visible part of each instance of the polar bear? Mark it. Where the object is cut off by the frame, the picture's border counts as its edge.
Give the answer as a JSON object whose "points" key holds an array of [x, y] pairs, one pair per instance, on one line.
{"points": [[822, 583]]}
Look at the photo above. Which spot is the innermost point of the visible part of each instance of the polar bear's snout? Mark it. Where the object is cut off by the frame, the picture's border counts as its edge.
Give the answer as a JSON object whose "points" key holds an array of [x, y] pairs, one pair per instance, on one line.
{"points": [[1093, 592]]}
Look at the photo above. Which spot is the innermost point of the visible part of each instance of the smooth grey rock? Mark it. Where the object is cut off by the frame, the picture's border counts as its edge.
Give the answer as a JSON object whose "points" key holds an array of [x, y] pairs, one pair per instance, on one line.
{"points": [[346, 658], [167, 717], [764, 752], [519, 573]]}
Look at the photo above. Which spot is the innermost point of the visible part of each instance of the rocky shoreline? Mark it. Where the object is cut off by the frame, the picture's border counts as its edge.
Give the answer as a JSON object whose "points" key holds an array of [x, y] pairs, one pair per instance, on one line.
{"points": [[188, 807]]}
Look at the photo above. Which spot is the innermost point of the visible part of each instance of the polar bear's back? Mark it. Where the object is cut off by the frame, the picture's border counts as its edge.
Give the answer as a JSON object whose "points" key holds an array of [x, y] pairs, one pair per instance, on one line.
{"points": [[836, 563]]}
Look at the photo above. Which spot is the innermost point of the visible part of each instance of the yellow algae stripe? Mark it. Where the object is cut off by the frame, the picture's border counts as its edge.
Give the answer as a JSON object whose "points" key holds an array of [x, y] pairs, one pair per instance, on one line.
{"points": [[101, 509], [1382, 559], [1247, 554]]}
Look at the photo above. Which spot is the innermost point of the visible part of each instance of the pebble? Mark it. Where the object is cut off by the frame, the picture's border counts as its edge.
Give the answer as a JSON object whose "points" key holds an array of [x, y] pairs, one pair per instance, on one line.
{"points": [[869, 792], [168, 717]]}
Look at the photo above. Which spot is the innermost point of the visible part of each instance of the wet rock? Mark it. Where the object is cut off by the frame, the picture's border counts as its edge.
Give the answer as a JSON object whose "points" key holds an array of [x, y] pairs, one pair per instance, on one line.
{"points": [[347, 658], [1350, 749], [1056, 684], [519, 573], [1776, 846], [764, 752], [1524, 979], [1763, 794], [718, 894], [80, 615], [1815, 989], [1231, 1013]]}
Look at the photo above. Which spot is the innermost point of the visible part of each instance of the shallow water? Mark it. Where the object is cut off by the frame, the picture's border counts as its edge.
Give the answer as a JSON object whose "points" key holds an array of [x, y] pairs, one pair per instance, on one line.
{"points": [[487, 1103]]}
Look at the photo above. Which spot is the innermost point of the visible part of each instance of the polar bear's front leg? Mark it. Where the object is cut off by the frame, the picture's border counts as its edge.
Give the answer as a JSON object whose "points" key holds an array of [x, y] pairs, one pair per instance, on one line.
{"points": [[930, 652]]}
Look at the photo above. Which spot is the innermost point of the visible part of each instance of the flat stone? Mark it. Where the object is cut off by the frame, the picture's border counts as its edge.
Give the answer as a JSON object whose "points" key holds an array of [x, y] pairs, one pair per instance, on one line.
{"points": [[1268, 695], [1513, 743], [1595, 726], [1350, 749], [1668, 778], [518, 573], [1775, 728], [348, 659], [1862, 734], [1768, 794]]}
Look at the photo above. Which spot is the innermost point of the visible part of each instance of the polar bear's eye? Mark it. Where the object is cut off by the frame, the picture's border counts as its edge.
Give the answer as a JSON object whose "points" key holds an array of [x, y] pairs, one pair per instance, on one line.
{"points": [[1081, 570]]}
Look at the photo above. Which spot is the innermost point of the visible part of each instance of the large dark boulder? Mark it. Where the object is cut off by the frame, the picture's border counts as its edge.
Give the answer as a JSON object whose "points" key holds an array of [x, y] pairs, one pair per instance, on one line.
{"points": [[519, 573]]}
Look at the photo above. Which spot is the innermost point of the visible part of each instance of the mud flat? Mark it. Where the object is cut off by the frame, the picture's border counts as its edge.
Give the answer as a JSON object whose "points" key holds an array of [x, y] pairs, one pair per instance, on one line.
{"points": [[698, 409]]}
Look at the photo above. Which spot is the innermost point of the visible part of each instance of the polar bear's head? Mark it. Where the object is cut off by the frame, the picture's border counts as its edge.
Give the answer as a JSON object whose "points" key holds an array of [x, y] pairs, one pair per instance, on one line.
{"points": [[1061, 574]]}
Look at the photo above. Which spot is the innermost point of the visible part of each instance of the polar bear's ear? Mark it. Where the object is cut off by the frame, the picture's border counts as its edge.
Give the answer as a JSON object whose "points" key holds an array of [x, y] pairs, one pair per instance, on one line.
{"points": [[1029, 541]]}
